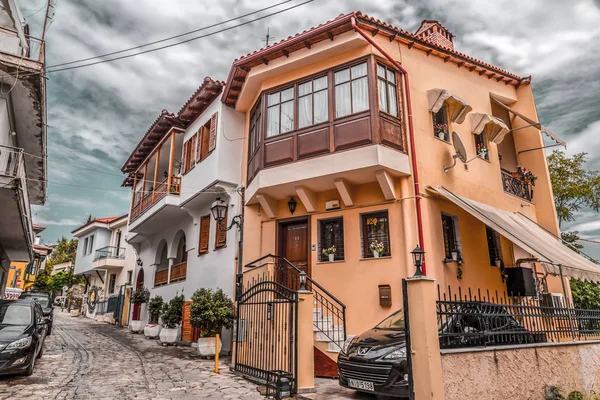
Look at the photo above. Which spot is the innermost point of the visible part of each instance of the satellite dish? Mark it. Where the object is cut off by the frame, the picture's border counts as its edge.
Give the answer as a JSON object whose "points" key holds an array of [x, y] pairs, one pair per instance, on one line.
{"points": [[459, 148]]}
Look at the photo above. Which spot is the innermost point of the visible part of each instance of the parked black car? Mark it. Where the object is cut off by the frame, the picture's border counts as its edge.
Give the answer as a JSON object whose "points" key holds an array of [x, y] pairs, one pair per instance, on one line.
{"points": [[22, 335], [45, 302]]}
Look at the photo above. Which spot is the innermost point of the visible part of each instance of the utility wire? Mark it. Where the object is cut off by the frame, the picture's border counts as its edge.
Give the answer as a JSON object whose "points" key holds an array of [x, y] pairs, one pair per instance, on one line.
{"points": [[182, 42], [169, 38]]}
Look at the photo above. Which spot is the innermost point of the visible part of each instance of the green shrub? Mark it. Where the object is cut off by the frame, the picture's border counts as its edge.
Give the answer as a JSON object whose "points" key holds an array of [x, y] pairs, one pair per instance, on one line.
{"points": [[155, 307], [140, 296], [172, 312], [211, 311]]}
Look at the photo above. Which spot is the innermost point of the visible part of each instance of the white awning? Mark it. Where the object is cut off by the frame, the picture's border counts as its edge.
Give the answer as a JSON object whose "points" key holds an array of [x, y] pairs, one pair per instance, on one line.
{"points": [[457, 107], [531, 122], [493, 128], [531, 237]]}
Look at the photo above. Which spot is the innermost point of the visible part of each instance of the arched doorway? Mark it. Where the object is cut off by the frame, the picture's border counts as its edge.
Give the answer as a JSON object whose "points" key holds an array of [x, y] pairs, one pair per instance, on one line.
{"points": [[139, 283]]}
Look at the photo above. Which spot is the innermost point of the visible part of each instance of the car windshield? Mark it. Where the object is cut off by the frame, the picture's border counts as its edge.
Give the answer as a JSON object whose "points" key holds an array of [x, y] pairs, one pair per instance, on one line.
{"points": [[43, 300], [15, 314], [393, 322]]}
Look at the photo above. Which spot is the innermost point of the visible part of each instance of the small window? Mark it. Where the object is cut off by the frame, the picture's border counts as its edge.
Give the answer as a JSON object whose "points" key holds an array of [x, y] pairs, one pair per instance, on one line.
{"points": [[204, 234], [375, 231], [204, 137], [280, 112], [494, 249], [441, 128], [91, 247], [221, 233], [351, 90], [129, 277], [331, 237], [112, 283], [388, 92], [451, 238], [255, 127], [85, 246], [313, 102], [481, 148]]}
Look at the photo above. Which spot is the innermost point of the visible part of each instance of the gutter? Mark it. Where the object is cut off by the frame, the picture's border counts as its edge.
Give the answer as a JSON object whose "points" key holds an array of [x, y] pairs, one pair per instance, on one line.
{"points": [[411, 133]]}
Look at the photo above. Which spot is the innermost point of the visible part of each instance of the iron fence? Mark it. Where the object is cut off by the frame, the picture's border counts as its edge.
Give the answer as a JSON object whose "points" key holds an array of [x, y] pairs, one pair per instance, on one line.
{"points": [[107, 306], [475, 319]]}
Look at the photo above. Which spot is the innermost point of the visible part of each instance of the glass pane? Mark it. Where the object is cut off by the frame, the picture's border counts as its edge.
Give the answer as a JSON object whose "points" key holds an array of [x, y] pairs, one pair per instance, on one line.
{"points": [[342, 100], [304, 111], [304, 88], [360, 95], [321, 107], [391, 75], [273, 99], [320, 83], [380, 70], [393, 100], [272, 121], [287, 116], [359, 70], [383, 104], [342, 76], [287, 94]]}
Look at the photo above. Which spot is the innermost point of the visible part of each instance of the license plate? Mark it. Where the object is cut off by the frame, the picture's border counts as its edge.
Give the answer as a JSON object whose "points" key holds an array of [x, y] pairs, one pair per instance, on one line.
{"points": [[355, 383]]}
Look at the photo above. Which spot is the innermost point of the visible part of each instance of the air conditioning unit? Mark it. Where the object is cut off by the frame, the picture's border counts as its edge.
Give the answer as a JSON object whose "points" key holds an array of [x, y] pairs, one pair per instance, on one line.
{"points": [[332, 205]]}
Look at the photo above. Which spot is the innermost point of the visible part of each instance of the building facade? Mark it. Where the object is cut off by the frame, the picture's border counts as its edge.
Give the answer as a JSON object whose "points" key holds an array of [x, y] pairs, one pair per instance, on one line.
{"points": [[22, 138], [181, 165]]}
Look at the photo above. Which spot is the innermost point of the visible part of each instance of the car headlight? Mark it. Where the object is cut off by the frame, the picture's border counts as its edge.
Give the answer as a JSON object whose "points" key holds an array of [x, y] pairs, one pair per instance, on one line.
{"points": [[19, 344], [346, 344], [396, 354]]}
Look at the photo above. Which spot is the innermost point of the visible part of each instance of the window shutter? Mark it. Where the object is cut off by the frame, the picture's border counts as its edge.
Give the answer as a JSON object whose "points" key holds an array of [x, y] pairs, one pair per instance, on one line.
{"points": [[213, 132], [221, 236], [184, 157], [204, 234], [199, 145], [193, 156]]}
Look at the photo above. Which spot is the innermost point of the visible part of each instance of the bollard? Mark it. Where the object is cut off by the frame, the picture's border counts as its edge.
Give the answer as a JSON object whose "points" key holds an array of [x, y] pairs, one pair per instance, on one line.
{"points": [[217, 354]]}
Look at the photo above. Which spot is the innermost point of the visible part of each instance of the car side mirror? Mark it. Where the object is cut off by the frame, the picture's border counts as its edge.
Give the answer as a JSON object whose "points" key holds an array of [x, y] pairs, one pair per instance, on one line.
{"points": [[44, 321]]}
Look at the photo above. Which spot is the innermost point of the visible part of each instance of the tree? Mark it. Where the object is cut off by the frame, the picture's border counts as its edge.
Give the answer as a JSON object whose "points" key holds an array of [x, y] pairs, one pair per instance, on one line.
{"points": [[64, 252], [574, 186]]}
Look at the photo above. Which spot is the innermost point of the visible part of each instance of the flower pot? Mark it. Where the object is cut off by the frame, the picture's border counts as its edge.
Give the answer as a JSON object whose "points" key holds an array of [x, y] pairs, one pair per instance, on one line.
{"points": [[75, 313], [376, 254], [454, 255], [442, 135], [331, 257], [169, 336], [152, 330], [136, 326], [207, 348]]}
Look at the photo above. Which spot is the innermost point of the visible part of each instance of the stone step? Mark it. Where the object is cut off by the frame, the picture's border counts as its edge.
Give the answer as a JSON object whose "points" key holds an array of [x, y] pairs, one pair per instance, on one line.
{"points": [[326, 336]]}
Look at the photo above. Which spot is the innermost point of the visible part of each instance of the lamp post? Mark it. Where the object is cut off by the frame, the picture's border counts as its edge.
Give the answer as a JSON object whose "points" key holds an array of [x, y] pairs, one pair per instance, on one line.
{"points": [[418, 254]]}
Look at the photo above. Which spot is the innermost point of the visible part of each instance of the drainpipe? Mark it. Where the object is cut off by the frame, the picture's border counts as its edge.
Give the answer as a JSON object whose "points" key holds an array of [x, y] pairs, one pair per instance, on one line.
{"points": [[411, 133]]}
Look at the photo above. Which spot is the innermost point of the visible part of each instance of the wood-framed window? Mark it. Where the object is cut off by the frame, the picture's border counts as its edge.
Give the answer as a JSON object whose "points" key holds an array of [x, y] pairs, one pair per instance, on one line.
{"points": [[351, 90], [451, 235], [204, 236], [481, 147], [255, 127], [441, 124], [493, 242], [375, 228], [221, 233], [280, 112], [331, 233], [388, 90], [313, 102]]}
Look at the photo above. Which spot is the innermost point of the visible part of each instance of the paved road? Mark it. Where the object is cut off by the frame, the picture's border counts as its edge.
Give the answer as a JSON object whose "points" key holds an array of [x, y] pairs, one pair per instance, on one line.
{"points": [[88, 360]]}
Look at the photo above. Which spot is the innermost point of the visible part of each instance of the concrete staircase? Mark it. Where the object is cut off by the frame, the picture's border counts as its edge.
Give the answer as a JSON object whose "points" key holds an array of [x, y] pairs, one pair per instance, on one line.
{"points": [[325, 333]]}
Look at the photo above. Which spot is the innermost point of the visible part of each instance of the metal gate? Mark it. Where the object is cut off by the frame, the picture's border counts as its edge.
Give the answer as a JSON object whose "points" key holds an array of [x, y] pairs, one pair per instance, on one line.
{"points": [[266, 332]]}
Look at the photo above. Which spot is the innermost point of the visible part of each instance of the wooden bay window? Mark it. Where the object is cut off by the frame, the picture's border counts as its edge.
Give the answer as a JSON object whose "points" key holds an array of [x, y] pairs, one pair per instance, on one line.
{"points": [[351, 90], [388, 92]]}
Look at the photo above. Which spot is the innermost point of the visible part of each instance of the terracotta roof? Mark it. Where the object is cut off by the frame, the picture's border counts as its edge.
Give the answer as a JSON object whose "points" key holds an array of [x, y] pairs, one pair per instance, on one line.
{"points": [[342, 24], [105, 220]]}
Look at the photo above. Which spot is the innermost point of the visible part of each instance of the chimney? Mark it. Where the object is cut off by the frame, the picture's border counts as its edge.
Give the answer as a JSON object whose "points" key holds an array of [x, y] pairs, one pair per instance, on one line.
{"points": [[436, 33]]}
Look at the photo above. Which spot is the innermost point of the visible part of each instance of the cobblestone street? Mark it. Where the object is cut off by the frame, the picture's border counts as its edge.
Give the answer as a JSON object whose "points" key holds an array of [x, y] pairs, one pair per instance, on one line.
{"points": [[84, 359]]}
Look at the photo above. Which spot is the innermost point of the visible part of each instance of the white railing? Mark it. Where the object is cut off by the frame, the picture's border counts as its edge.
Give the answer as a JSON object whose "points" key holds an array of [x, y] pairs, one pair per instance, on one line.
{"points": [[10, 161]]}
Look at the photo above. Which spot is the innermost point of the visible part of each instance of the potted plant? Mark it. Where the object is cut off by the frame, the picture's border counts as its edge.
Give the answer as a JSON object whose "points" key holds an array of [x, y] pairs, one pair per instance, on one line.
{"points": [[330, 253], [527, 177], [441, 130], [155, 306], [377, 248], [140, 296], [171, 315], [211, 311], [482, 150]]}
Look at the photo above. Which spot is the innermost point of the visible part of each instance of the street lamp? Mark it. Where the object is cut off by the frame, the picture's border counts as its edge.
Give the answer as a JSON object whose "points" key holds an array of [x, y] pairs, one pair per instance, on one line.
{"points": [[219, 209], [418, 254], [302, 280]]}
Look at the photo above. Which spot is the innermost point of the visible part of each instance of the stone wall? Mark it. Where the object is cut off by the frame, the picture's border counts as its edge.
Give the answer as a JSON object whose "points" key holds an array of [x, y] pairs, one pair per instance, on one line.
{"points": [[521, 372]]}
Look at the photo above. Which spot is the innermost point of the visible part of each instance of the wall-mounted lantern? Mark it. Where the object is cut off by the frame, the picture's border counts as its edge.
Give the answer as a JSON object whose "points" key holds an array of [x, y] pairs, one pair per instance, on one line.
{"points": [[292, 204]]}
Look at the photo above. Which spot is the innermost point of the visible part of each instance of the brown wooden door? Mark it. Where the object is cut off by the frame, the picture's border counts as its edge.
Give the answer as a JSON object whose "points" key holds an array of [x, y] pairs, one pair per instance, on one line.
{"points": [[294, 244]]}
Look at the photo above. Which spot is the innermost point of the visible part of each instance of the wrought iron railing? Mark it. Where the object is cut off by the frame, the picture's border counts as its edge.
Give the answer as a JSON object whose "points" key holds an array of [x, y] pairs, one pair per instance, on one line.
{"points": [[329, 316], [473, 319], [109, 252], [516, 186]]}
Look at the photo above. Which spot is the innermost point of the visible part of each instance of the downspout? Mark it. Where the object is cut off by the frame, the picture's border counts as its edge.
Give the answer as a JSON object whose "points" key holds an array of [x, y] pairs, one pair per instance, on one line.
{"points": [[411, 133]]}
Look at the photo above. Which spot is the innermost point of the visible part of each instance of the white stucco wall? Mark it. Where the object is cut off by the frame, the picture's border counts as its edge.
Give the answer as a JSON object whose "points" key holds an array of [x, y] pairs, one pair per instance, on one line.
{"points": [[83, 262]]}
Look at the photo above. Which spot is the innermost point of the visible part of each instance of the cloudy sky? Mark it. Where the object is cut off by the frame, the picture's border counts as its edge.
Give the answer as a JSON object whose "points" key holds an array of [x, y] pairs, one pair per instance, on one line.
{"points": [[97, 114]]}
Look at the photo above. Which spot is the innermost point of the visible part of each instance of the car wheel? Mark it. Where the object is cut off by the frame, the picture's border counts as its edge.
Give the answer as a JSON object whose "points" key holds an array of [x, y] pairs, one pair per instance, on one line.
{"points": [[41, 351], [49, 329], [29, 370]]}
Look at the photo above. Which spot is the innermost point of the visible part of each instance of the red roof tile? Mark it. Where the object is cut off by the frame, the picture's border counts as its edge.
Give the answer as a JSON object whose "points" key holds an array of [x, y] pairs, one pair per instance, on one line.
{"points": [[105, 220]]}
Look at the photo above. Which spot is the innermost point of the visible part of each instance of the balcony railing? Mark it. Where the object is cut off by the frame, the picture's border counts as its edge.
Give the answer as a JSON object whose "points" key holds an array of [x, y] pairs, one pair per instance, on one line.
{"points": [[516, 186], [109, 252], [144, 200], [161, 277], [179, 272], [10, 160], [11, 44]]}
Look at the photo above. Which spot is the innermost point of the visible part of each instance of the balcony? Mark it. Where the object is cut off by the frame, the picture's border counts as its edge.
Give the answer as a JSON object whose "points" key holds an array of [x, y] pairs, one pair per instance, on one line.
{"points": [[145, 200], [178, 274], [515, 186], [16, 231], [109, 257]]}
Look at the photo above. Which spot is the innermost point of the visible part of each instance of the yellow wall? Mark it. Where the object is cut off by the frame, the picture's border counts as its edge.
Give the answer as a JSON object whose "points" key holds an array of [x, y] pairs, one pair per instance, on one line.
{"points": [[19, 267]]}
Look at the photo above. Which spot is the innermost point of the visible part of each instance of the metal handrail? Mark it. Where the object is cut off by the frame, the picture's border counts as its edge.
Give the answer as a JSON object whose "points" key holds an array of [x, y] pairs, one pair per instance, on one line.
{"points": [[109, 252]]}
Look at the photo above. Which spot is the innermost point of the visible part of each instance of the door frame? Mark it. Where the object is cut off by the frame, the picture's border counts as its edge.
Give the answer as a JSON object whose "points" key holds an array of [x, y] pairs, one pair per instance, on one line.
{"points": [[281, 223]]}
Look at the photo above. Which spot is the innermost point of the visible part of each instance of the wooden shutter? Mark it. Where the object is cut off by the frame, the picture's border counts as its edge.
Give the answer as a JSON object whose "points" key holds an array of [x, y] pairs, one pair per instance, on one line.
{"points": [[213, 132], [184, 158], [192, 151], [199, 145], [221, 236], [186, 326], [204, 234], [205, 141]]}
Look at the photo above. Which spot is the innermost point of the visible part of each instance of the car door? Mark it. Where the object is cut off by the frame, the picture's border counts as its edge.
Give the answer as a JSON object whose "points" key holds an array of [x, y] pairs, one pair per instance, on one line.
{"points": [[39, 328]]}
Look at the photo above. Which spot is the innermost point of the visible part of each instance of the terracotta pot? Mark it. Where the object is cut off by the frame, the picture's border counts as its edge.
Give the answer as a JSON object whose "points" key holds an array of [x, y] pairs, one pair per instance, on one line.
{"points": [[136, 326], [207, 348], [168, 335], [152, 330]]}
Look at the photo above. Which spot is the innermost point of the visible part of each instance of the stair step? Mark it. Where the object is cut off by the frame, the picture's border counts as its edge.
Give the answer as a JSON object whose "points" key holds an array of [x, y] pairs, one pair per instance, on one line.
{"points": [[326, 336], [332, 347]]}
